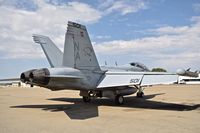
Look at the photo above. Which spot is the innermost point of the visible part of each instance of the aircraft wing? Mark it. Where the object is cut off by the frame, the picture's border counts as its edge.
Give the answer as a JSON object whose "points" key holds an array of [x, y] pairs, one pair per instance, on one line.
{"points": [[10, 79], [65, 77], [116, 79]]}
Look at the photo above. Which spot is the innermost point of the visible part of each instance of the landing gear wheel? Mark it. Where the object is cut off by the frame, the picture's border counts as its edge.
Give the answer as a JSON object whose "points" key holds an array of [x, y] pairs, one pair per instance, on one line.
{"points": [[140, 94], [86, 99], [119, 99]]}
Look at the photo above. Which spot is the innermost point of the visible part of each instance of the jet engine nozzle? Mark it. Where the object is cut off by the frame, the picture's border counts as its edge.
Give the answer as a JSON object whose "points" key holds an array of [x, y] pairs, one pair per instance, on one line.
{"points": [[25, 76], [39, 76]]}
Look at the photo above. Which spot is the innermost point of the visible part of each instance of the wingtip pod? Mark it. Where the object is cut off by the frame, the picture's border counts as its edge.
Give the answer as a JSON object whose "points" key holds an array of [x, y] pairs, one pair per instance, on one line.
{"points": [[188, 73]]}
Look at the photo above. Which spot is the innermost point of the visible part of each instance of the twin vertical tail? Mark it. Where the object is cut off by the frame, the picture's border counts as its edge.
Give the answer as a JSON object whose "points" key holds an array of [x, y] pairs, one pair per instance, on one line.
{"points": [[78, 50], [52, 52]]}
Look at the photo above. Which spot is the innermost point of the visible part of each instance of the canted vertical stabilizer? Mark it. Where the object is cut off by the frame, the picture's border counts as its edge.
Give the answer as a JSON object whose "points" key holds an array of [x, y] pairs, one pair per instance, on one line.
{"points": [[52, 52], [78, 50]]}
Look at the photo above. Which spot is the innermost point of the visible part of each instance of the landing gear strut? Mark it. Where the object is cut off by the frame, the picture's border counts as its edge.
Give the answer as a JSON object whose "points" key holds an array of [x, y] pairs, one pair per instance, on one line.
{"points": [[119, 99], [88, 95], [140, 92]]}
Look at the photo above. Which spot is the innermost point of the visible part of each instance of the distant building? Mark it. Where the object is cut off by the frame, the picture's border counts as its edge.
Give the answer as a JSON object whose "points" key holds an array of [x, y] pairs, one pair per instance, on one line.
{"points": [[13, 84], [16, 84]]}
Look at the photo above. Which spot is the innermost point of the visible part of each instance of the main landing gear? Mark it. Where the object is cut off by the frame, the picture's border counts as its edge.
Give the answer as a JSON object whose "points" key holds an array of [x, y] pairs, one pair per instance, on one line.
{"points": [[117, 95], [88, 95], [86, 99], [140, 93], [119, 100]]}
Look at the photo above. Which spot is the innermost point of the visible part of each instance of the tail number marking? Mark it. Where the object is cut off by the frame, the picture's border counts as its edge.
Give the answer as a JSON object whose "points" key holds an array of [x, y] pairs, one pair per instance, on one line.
{"points": [[136, 80]]}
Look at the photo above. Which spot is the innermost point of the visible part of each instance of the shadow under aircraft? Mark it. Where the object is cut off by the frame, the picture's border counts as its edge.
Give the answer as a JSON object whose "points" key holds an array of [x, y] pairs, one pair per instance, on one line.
{"points": [[76, 109]]}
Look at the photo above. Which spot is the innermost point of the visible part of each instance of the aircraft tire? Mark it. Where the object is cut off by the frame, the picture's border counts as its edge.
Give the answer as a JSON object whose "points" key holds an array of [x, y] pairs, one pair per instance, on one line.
{"points": [[119, 100], [86, 99], [140, 94]]}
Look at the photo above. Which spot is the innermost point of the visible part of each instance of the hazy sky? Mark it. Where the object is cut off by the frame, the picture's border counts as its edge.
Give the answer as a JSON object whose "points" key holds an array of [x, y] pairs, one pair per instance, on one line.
{"points": [[157, 33]]}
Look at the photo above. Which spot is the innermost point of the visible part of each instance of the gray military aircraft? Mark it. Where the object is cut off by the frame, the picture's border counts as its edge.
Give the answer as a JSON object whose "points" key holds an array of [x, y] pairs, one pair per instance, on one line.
{"points": [[77, 68], [188, 73]]}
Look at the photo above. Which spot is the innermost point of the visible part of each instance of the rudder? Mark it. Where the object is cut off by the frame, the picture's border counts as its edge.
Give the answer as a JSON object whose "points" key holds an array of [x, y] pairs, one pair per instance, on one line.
{"points": [[78, 50]]}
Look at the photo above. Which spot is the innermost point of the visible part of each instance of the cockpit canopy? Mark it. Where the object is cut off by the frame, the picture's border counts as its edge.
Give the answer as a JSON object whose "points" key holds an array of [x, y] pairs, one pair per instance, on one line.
{"points": [[140, 65]]}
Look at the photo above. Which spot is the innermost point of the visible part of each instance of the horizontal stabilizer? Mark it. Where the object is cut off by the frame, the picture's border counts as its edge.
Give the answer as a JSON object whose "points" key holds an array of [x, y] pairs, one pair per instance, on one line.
{"points": [[158, 79], [120, 80], [116, 79], [10, 79]]}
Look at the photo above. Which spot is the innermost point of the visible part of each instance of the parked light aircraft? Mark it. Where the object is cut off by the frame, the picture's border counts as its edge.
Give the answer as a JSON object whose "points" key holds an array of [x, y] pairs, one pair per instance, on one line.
{"points": [[188, 73], [77, 68]]}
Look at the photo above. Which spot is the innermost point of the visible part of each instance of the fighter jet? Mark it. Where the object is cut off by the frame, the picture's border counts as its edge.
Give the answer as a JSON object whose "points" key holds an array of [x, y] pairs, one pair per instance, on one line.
{"points": [[77, 68]]}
